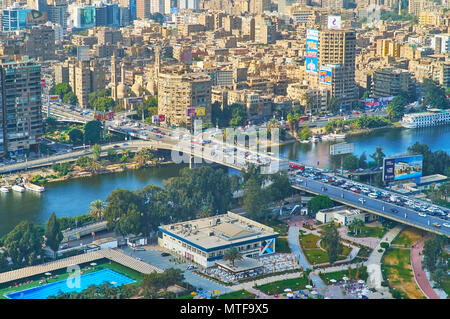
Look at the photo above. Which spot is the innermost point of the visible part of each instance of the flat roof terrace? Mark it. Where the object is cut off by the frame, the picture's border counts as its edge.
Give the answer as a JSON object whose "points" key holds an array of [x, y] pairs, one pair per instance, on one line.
{"points": [[220, 230]]}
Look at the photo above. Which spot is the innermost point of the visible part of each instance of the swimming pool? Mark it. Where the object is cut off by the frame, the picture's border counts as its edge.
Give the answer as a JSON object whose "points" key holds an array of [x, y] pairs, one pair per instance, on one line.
{"points": [[94, 278]]}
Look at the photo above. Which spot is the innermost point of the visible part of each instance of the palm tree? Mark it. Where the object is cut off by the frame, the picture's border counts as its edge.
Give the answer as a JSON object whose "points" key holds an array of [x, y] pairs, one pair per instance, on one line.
{"points": [[96, 209], [142, 157], [232, 254], [94, 167]]}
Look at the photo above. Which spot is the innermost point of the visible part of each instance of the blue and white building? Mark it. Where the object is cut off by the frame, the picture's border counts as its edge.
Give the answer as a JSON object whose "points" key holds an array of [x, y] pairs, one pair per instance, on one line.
{"points": [[204, 241]]}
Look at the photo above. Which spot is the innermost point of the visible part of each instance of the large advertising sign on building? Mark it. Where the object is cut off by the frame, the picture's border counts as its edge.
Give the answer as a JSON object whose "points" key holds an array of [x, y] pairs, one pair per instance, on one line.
{"points": [[198, 111], [312, 51], [325, 75], [377, 102], [402, 167], [158, 118], [334, 22]]}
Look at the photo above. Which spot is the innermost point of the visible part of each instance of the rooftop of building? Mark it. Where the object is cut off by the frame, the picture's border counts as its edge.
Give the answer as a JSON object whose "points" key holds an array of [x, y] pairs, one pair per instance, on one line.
{"points": [[219, 230], [341, 210]]}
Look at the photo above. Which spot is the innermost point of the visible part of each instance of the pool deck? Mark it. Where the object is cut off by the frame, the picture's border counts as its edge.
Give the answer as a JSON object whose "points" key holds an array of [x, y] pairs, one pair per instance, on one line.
{"points": [[110, 254]]}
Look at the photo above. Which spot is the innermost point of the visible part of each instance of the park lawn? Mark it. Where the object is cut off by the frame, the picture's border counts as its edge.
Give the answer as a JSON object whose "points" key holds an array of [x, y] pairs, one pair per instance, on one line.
{"points": [[278, 287], [309, 241], [396, 265], [113, 266], [318, 256], [240, 294], [372, 231], [282, 245], [407, 237], [338, 275]]}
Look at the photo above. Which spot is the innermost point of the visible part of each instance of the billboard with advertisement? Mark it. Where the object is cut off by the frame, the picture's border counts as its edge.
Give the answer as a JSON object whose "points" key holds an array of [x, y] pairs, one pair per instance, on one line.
{"points": [[377, 102], [312, 50], [200, 111], [325, 75], [402, 167], [158, 118], [53, 98], [334, 22], [134, 100]]}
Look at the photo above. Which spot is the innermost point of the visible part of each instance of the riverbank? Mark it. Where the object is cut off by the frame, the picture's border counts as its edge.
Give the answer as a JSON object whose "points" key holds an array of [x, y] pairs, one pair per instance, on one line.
{"points": [[50, 175], [395, 126]]}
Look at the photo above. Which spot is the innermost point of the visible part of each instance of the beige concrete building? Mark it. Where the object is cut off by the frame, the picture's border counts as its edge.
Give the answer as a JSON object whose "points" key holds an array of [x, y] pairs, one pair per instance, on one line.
{"points": [[179, 92], [86, 77], [204, 241]]}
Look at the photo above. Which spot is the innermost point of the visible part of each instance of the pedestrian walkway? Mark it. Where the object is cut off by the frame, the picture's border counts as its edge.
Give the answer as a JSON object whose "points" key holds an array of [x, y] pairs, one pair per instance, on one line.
{"points": [[419, 274], [294, 245], [374, 261]]}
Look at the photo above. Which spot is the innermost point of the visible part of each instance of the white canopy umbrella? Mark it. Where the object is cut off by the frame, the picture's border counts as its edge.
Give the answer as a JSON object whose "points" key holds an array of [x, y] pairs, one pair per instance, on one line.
{"points": [[113, 282], [361, 281], [313, 292], [93, 264], [287, 290], [48, 273], [345, 278], [290, 295], [333, 280], [308, 286]]}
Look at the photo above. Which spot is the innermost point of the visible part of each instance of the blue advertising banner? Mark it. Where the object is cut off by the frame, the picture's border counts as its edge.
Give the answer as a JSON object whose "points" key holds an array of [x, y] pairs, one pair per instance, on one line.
{"points": [[404, 167], [325, 75], [312, 51]]}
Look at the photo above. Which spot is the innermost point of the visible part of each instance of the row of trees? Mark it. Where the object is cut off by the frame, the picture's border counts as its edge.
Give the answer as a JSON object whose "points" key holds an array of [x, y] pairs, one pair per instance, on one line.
{"points": [[64, 90], [434, 260], [231, 116], [363, 122], [259, 190]]}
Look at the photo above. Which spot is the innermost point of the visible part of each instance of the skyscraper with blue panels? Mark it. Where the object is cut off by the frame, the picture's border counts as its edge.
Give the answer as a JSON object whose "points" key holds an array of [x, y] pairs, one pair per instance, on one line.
{"points": [[14, 19]]}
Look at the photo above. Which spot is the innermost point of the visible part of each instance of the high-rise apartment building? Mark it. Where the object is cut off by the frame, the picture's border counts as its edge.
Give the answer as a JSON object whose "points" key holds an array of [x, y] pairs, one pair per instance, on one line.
{"points": [[86, 77], [157, 6], [40, 42], [391, 82], [337, 50], [265, 30], [259, 6], [57, 13], [20, 105], [179, 92], [142, 9]]}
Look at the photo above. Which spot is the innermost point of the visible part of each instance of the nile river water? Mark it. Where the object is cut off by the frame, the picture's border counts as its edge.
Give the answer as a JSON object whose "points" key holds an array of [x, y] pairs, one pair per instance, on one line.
{"points": [[72, 197]]}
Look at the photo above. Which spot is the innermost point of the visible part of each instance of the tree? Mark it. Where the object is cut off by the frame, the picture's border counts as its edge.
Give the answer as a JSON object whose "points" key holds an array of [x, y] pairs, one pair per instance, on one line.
{"points": [[23, 242], [104, 104], [232, 254], [152, 283], [123, 213], [76, 136], [305, 133], [280, 187], [396, 109], [96, 209], [3, 262], [432, 253], [350, 161], [61, 89], [70, 98], [112, 154], [333, 105], [319, 202], [96, 152], [435, 95], [53, 233], [254, 199], [238, 115], [362, 162], [378, 156], [195, 191], [143, 157], [330, 240], [93, 132]]}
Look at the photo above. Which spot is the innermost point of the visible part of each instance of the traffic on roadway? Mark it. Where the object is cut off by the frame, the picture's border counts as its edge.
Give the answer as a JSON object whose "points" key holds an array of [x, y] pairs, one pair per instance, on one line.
{"points": [[388, 204]]}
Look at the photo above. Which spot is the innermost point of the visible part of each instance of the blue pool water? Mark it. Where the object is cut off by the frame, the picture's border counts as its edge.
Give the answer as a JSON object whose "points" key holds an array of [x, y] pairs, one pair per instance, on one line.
{"points": [[95, 278]]}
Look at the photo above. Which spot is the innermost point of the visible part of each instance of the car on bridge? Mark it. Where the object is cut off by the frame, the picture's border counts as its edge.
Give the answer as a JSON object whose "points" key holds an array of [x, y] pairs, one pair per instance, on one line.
{"points": [[436, 225], [422, 215]]}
